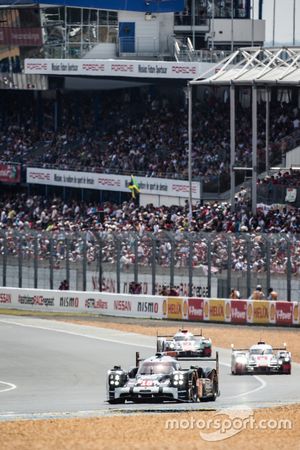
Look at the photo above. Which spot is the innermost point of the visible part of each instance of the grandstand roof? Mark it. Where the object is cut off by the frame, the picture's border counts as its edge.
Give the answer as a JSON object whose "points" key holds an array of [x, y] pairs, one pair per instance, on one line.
{"points": [[255, 65], [156, 6]]}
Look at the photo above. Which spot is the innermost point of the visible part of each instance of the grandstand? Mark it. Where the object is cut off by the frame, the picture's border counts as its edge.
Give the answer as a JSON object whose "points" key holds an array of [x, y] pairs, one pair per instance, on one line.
{"points": [[92, 96]]}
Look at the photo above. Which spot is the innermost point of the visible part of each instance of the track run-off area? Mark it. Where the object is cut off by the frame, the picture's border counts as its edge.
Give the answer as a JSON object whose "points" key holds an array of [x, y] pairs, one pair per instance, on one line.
{"points": [[55, 369]]}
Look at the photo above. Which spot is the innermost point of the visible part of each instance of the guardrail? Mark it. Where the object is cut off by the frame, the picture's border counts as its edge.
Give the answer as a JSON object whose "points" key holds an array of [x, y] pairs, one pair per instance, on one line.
{"points": [[241, 312]]}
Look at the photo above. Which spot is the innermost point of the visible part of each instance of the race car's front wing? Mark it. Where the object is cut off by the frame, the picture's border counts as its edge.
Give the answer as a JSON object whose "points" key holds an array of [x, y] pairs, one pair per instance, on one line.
{"points": [[132, 393], [270, 368]]}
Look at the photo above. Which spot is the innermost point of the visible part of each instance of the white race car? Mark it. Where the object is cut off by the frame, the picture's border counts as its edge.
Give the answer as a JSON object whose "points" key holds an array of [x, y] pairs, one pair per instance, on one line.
{"points": [[261, 358], [184, 343]]}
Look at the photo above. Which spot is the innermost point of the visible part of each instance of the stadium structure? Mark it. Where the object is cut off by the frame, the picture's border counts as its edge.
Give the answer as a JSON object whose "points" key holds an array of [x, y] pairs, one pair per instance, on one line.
{"points": [[61, 47]]}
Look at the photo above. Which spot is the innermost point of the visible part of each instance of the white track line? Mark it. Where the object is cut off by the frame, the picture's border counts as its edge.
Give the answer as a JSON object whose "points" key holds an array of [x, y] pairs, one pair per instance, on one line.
{"points": [[10, 387], [89, 336], [116, 341]]}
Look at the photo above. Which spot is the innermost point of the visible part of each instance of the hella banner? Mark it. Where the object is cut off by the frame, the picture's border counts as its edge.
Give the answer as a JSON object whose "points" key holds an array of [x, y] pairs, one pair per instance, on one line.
{"points": [[217, 310], [174, 308], [261, 311]]}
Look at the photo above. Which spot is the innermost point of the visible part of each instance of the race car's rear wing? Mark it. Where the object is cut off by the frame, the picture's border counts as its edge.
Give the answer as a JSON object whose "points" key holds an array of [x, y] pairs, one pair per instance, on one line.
{"points": [[247, 349], [172, 336], [198, 358]]}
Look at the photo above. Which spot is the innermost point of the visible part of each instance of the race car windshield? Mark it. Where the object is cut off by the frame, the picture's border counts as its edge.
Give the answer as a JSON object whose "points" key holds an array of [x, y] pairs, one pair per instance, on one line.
{"points": [[156, 368], [260, 351], [183, 338]]}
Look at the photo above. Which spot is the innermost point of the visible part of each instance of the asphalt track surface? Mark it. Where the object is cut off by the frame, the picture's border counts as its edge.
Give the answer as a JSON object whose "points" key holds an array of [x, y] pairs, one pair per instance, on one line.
{"points": [[52, 369]]}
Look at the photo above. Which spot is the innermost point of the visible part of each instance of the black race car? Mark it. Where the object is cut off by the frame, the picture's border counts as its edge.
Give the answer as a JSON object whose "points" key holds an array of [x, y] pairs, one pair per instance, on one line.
{"points": [[162, 378]]}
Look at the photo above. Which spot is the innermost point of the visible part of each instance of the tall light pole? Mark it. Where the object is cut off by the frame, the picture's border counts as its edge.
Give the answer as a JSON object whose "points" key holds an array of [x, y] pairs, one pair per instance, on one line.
{"points": [[252, 24], [294, 22], [231, 26], [212, 25], [274, 20], [193, 21], [190, 148]]}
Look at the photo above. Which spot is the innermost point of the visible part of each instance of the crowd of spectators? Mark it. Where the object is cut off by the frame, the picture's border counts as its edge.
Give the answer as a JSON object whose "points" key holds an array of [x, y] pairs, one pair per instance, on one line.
{"points": [[141, 134], [85, 224], [289, 178]]}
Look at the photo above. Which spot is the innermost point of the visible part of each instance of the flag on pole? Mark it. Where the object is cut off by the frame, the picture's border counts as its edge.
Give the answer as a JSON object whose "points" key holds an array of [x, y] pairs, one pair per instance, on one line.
{"points": [[134, 187]]}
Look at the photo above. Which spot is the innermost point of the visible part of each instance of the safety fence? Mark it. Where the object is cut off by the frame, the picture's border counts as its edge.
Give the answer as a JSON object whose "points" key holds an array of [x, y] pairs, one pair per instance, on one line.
{"points": [[155, 307], [194, 264]]}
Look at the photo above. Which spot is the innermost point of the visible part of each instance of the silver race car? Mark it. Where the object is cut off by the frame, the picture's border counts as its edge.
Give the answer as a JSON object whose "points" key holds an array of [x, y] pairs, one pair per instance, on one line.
{"points": [[261, 358], [184, 343], [161, 378]]}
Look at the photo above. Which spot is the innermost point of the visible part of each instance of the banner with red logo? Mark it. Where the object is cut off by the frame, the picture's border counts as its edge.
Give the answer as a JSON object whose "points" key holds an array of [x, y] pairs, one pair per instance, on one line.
{"points": [[117, 68], [106, 182], [296, 313], [10, 173], [260, 311], [174, 308], [284, 313], [21, 37], [195, 309], [238, 311], [217, 310]]}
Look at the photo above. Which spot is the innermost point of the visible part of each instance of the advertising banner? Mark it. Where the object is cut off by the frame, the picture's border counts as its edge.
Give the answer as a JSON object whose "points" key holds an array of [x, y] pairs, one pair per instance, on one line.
{"points": [[10, 173], [195, 309], [284, 313], [239, 311], [21, 37], [156, 307], [250, 311], [105, 182], [116, 68], [175, 308], [272, 312], [217, 310], [260, 311], [206, 309], [227, 310], [296, 313]]}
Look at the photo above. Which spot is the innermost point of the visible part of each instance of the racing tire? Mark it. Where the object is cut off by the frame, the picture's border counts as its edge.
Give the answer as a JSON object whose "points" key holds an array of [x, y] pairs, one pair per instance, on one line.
{"points": [[192, 392], [238, 371], [213, 398], [160, 346]]}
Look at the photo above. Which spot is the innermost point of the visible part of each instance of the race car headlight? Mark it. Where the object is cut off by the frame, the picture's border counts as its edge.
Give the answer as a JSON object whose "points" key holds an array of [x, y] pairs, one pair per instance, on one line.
{"points": [[117, 377], [181, 382], [286, 359], [117, 383], [172, 345], [112, 382], [175, 383], [280, 361], [176, 377], [181, 376]]}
